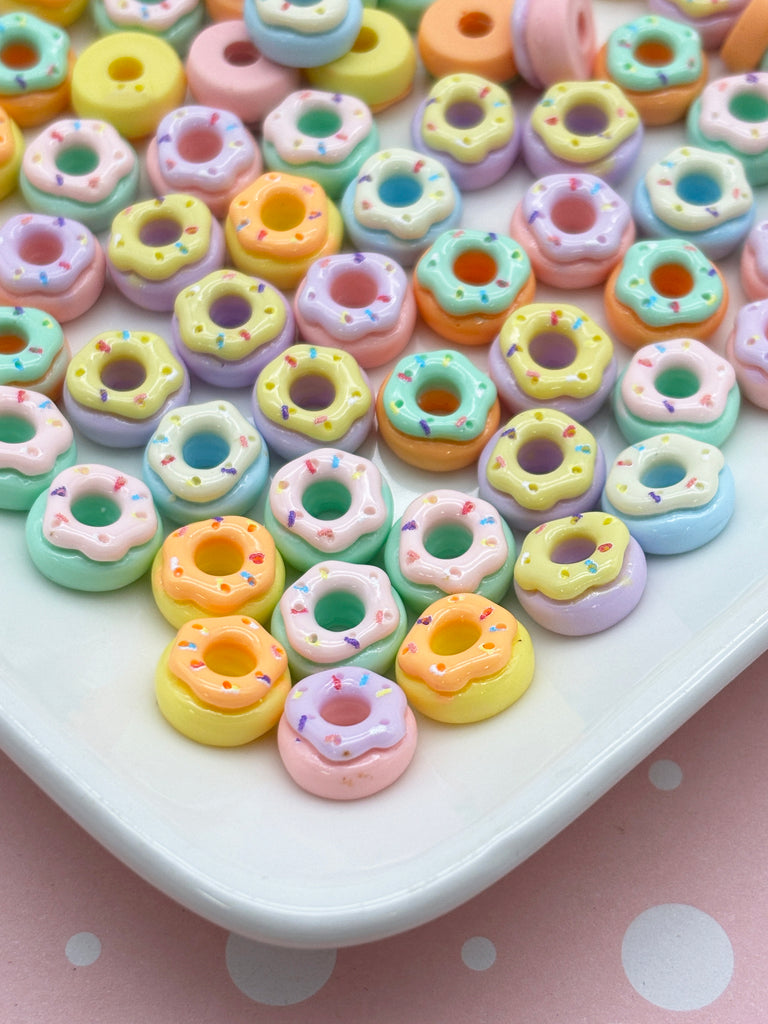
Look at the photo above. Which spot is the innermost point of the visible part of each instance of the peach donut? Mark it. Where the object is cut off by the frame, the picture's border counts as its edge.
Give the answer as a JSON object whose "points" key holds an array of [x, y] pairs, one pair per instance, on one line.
{"points": [[33, 350], [476, 38]]}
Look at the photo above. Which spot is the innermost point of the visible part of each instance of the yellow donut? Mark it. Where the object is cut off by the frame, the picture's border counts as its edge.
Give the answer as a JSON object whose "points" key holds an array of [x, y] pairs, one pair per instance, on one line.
{"points": [[11, 152], [58, 12]]}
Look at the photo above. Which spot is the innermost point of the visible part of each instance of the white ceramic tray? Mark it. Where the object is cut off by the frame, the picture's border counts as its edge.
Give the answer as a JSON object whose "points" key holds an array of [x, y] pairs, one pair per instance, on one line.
{"points": [[227, 833]]}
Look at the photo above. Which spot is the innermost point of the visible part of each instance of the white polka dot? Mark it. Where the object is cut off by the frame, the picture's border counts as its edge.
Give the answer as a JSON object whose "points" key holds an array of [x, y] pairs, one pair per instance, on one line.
{"points": [[665, 774], [478, 953], [276, 976], [677, 957], [83, 949]]}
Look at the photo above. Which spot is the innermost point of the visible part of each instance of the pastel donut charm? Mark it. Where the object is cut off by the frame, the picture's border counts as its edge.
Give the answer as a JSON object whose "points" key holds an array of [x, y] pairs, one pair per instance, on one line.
{"points": [[712, 19], [731, 116], [451, 38], [204, 152], [673, 493], [228, 326], [574, 228], [303, 35], [360, 302], [583, 127], [81, 169], [346, 734], [95, 528], [399, 203], [36, 444], [339, 614], [464, 660], [553, 357], [34, 353], [35, 67], [468, 282], [311, 397], [678, 385], [747, 350], [205, 460], [746, 43], [57, 12], [696, 195], [469, 124], [176, 22], [446, 542], [51, 263], [754, 263], [541, 465], [553, 42], [328, 504], [119, 386], [11, 153]]}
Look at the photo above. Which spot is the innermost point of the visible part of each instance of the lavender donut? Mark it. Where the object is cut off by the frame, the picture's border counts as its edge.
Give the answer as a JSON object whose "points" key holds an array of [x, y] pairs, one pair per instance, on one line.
{"points": [[754, 262], [712, 19], [747, 351]]}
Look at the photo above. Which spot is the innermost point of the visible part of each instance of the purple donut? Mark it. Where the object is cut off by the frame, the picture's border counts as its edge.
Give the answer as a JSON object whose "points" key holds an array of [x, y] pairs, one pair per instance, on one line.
{"points": [[754, 262], [713, 28], [747, 351]]}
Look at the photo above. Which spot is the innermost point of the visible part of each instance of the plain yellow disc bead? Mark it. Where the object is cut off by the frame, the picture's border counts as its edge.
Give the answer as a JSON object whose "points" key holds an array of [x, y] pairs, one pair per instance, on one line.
{"points": [[57, 12], [11, 152]]}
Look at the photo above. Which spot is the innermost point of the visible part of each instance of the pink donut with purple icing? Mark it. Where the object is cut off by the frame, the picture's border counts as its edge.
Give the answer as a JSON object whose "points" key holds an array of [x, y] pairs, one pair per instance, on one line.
{"points": [[747, 351], [754, 263]]}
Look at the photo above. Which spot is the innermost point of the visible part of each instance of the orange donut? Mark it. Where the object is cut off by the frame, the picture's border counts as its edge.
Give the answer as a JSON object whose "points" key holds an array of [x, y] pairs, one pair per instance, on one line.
{"points": [[747, 41], [456, 35], [35, 106]]}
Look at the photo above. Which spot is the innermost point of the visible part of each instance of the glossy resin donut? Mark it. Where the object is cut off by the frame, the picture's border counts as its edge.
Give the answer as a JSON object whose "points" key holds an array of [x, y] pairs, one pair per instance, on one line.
{"points": [[712, 19], [11, 152], [33, 350], [553, 41], [36, 444], [747, 351], [754, 263], [58, 12], [35, 67], [174, 21], [731, 116], [303, 35]]}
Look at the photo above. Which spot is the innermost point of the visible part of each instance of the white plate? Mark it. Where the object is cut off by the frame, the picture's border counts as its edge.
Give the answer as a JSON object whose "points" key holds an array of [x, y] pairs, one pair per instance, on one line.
{"points": [[227, 833]]}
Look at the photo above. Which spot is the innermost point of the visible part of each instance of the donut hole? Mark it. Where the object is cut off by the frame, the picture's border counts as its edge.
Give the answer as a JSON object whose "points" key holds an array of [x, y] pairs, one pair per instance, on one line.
{"points": [[230, 311], [40, 247], [205, 450], [400, 190], [464, 114], [552, 350], [663, 473], [438, 401], [677, 382], [95, 510], [699, 189], [540, 456], [228, 658], [312, 392], [671, 280], [12, 344], [573, 215], [475, 267], [77, 161], [19, 56], [653, 53], [199, 145], [282, 211], [218, 556], [241, 53], [475, 24], [159, 232], [326, 499], [15, 430], [319, 123], [354, 288], [367, 40], [448, 540], [585, 119], [339, 611], [123, 374], [748, 106], [345, 710], [572, 549], [454, 638], [125, 69]]}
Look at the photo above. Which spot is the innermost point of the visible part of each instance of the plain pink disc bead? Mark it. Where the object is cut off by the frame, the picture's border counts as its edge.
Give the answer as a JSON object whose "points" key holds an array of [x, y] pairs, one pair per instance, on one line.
{"points": [[554, 40], [225, 69]]}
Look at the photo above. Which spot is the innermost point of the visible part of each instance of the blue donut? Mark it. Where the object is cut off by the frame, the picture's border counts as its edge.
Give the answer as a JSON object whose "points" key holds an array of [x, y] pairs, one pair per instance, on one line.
{"points": [[288, 45]]}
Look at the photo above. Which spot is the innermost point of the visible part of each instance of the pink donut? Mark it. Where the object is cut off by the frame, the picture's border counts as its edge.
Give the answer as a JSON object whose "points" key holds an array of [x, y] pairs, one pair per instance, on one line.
{"points": [[553, 40], [360, 302], [225, 69], [754, 263], [346, 733], [575, 229], [51, 263], [747, 351]]}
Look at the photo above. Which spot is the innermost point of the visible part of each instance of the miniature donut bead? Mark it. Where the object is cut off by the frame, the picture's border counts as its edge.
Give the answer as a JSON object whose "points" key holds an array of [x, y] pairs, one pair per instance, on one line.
{"points": [[553, 356], [176, 22], [746, 43], [731, 117], [447, 542], [227, 565], [754, 263], [322, 135], [664, 288], [36, 444], [33, 350], [574, 227], [400, 202], [11, 153], [279, 225], [120, 384], [673, 493], [465, 659], [468, 282], [36, 63], [339, 614], [658, 64], [228, 326], [130, 79], [360, 302], [380, 66], [158, 247], [712, 19], [81, 169], [205, 460], [553, 41], [696, 195], [541, 465], [679, 385], [747, 350], [310, 397], [454, 37], [346, 734], [436, 410], [328, 504], [579, 575], [409, 12], [468, 123], [57, 12], [203, 152], [95, 529], [303, 35], [52, 263], [583, 127], [225, 69]]}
